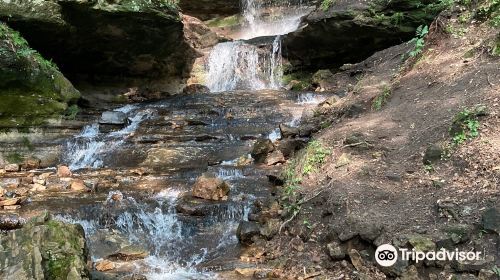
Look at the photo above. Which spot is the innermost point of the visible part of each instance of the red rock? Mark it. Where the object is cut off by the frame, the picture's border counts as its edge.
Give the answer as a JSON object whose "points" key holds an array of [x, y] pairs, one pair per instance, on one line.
{"points": [[210, 187], [63, 171]]}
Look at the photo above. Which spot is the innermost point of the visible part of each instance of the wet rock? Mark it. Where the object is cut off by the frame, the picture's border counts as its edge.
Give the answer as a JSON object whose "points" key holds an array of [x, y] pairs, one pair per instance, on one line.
{"points": [[491, 219], [12, 167], [207, 186], [275, 157], [245, 272], [306, 130], [78, 185], [104, 265], [195, 88], [193, 206], [288, 131], [432, 154], [113, 118], [336, 251], [129, 253], [63, 171], [44, 249], [246, 231], [261, 149], [10, 222]]}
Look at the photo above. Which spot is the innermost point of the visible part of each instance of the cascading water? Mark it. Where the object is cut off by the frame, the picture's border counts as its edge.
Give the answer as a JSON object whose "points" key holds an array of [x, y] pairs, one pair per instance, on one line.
{"points": [[251, 66], [87, 150]]}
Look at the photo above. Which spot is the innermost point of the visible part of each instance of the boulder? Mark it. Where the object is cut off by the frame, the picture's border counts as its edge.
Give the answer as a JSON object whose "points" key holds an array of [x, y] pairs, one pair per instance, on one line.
{"points": [[336, 251], [261, 149], [32, 89], [275, 157], [104, 265], [78, 185], [288, 131], [207, 186], [63, 171], [113, 118], [10, 201], [360, 27], [12, 167], [104, 41], [44, 249], [246, 231]]}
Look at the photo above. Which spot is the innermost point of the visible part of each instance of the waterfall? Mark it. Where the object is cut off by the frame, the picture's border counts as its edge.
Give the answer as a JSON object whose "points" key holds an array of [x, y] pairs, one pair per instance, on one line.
{"points": [[248, 66], [238, 65]]}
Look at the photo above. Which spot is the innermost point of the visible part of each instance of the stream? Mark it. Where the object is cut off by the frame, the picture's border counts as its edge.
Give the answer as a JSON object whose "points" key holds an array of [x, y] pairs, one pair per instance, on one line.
{"points": [[176, 140]]}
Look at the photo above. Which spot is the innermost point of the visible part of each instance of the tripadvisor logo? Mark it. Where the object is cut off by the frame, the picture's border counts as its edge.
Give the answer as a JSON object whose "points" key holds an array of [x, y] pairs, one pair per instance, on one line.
{"points": [[387, 255]]}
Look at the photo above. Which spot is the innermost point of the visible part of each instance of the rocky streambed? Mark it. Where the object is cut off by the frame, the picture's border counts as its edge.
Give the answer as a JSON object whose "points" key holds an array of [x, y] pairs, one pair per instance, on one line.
{"points": [[162, 194]]}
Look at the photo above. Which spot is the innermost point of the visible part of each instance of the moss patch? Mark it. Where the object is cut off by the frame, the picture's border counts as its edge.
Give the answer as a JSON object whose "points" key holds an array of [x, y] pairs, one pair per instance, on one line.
{"points": [[31, 88], [224, 22]]}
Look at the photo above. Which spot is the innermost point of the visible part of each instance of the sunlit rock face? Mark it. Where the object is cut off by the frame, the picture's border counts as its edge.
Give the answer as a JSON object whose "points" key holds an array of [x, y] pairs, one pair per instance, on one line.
{"points": [[104, 41], [350, 31]]}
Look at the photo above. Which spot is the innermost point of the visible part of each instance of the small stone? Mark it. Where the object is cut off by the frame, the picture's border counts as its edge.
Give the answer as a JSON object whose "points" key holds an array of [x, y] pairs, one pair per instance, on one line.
{"points": [[31, 163], [393, 176], [10, 201], [39, 181], [207, 186], [422, 243], [113, 118], [245, 272], [78, 185], [104, 265], [12, 207], [64, 171], [261, 149], [336, 251], [12, 167], [38, 188], [275, 157], [130, 253], [45, 176], [357, 261], [343, 160], [432, 154], [270, 228]]}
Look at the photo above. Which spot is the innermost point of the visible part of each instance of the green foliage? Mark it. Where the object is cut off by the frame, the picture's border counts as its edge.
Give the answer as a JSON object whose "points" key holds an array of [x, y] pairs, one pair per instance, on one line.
{"points": [[326, 4], [381, 99], [429, 168], [314, 157], [71, 112], [27, 143], [496, 270], [290, 195], [465, 126], [14, 157], [419, 40], [437, 7]]}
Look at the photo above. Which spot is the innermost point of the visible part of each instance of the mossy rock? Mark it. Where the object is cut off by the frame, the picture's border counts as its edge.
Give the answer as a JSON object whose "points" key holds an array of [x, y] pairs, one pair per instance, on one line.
{"points": [[31, 88], [44, 249]]}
